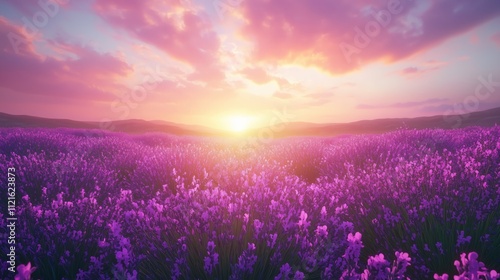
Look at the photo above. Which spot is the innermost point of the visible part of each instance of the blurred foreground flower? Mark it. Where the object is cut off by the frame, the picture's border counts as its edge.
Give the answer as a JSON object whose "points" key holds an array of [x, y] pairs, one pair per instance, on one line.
{"points": [[24, 272], [471, 269]]}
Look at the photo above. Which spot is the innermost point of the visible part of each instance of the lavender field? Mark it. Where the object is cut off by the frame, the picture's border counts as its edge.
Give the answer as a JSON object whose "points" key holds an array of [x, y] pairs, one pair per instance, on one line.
{"points": [[422, 204]]}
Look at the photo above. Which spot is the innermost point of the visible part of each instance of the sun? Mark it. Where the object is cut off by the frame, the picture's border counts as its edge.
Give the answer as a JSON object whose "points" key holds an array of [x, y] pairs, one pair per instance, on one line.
{"points": [[239, 124]]}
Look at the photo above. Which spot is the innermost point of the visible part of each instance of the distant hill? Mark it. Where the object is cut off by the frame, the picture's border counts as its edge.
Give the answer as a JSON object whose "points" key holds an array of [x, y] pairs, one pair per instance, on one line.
{"points": [[128, 126], [482, 118]]}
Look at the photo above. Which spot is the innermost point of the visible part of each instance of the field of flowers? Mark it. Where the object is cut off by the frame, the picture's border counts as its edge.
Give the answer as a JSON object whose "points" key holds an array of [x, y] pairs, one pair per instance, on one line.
{"points": [[422, 204]]}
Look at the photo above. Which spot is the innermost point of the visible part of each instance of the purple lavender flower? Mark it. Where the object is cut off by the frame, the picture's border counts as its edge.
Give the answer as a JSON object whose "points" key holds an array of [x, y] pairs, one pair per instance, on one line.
{"points": [[401, 264], [24, 272], [247, 260], [441, 277], [321, 231], [285, 271], [303, 223], [378, 267], [272, 240], [461, 240], [212, 259], [257, 227]]}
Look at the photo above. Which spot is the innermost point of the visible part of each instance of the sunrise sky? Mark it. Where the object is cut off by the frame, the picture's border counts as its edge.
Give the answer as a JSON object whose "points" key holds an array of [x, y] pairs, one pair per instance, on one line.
{"points": [[209, 62]]}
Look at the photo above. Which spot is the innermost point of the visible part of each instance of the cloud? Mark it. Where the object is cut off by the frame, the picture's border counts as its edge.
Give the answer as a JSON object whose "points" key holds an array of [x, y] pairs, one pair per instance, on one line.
{"points": [[182, 32], [403, 105], [90, 76], [410, 70], [256, 74], [310, 32], [417, 71], [15, 40], [436, 109], [496, 38]]}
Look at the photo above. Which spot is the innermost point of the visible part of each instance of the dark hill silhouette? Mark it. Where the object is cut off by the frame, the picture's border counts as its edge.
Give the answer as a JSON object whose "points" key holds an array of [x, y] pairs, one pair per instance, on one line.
{"points": [[128, 126], [482, 118]]}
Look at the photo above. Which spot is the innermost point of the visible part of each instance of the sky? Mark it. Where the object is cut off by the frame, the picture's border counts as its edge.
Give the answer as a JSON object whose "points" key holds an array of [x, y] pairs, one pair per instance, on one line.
{"points": [[217, 62]]}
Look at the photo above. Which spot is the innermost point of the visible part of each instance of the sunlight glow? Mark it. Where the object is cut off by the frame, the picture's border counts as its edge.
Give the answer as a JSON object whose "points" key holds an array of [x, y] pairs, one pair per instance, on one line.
{"points": [[239, 123]]}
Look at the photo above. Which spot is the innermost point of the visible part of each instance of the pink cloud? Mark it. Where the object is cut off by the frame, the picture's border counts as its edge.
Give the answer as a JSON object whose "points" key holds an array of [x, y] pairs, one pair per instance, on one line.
{"points": [[311, 32], [256, 74], [182, 33], [496, 38], [410, 70], [414, 71], [15, 40], [259, 75], [91, 75]]}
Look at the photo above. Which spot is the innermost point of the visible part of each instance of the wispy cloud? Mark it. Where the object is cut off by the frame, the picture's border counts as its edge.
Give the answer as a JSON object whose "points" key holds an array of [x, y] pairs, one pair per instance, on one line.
{"points": [[418, 71], [91, 75], [182, 32], [403, 105]]}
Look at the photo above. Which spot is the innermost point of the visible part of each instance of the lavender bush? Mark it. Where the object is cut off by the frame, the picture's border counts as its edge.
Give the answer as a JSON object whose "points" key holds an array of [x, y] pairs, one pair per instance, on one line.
{"points": [[417, 204]]}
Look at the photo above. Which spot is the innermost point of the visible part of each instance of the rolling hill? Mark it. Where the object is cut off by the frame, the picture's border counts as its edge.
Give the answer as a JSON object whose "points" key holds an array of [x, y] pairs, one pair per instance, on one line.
{"points": [[481, 118]]}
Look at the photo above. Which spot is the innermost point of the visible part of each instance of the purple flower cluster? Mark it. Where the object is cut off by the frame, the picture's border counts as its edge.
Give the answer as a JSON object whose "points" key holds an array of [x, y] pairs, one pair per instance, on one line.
{"points": [[406, 204], [469, 268], [212, 259], [380, 268]]}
